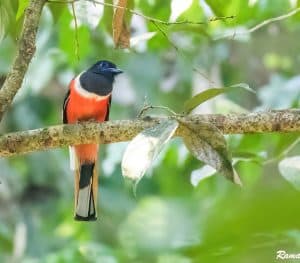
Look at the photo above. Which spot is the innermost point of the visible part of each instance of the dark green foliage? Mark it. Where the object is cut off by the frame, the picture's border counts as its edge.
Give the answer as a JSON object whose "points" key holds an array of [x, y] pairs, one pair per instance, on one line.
{"points": [[169, 220]]}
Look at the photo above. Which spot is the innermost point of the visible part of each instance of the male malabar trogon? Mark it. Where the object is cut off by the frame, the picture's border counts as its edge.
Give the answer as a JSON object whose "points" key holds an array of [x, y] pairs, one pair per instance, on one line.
{"points": [[88, 99]]}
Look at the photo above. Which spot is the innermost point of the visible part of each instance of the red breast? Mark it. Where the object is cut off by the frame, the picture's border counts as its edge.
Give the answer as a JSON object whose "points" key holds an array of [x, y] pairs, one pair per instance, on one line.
{"points": [[85, 106]]}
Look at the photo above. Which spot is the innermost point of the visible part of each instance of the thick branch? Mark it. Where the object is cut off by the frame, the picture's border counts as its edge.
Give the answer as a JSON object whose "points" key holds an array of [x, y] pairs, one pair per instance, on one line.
{"points": [[24, 54], [124, 130]]}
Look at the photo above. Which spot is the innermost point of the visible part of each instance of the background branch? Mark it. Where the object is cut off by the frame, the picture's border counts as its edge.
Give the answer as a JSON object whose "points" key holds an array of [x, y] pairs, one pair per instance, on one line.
{"points": [[262, 24], [149, 18], [24, 55], [124, 130]]}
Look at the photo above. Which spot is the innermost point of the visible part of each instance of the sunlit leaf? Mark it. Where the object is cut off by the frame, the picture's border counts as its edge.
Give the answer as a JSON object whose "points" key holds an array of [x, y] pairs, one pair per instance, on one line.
{"points": [[200, 174], [6, 14], [178, 7], [290, 170], [208, 145], [21, 8], [218, 6], [193, 13], [249, 156], [145, 147], [56, 10], [159, 10], [201, 97], [88, 13], [140, 38]]}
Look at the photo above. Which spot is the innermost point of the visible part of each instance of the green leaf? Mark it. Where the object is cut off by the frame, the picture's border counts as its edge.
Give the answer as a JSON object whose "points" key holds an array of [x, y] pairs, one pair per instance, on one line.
{"points": [[201, 97], [141, 38], [107, 18], [193, 13], [218, 6], [208, 145], [159, 10], [257, 157], [290, 170], [200, 174], [145, 147], [6, 15], [128, 15], [57, 10], [21, 8]]}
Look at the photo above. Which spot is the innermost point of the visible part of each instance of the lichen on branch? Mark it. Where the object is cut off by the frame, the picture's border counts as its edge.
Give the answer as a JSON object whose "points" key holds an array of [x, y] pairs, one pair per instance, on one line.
{"points": [[125, 130]]}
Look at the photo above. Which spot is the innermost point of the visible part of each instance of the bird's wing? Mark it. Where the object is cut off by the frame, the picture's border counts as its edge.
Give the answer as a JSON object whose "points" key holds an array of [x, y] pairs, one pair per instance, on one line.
{"points": [[66, 101], [108, 107]]}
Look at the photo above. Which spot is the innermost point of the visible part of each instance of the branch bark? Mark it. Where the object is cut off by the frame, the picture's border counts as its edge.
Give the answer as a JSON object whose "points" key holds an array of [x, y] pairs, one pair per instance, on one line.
{"points": [[124, 130], [24, 55]]}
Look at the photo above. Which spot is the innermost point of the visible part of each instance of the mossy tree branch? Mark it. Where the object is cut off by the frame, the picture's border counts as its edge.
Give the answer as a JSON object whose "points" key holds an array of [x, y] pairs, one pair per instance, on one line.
{"points": [[25, 52], [124, 130]]}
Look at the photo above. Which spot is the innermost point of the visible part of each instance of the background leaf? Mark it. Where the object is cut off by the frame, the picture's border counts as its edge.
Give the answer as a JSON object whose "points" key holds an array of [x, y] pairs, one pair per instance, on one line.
{"points": [[6, 17], [208, 94], [200, 174], [290, 170], [208, 145], [21, 8], [169, 220], [145, 147]]}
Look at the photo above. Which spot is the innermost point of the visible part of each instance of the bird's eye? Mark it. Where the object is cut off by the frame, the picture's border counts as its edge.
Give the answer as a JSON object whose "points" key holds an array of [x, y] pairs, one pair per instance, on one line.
{"points": [[103, 65]]}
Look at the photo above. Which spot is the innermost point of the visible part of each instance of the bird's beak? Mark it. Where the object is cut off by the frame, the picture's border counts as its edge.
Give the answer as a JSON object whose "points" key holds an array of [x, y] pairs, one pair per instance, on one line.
{"points": [[114, 70]]}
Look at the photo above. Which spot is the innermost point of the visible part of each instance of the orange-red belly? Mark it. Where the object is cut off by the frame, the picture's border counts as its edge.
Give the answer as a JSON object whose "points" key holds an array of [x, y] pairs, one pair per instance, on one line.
{"points": [[81, 108]]}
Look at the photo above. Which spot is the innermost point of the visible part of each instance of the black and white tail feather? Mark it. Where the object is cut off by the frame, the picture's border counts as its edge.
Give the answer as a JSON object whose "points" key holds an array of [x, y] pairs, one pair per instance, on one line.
{"points": [[86, 182], [86, 187]]}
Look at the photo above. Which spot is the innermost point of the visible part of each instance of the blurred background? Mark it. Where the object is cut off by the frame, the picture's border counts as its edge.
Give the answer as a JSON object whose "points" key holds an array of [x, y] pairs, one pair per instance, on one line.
{"points": [[182, 211]]}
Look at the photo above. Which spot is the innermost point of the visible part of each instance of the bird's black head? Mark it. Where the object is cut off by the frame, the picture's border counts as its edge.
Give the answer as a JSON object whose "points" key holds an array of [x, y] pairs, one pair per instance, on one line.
{"points": [[105, 68]]}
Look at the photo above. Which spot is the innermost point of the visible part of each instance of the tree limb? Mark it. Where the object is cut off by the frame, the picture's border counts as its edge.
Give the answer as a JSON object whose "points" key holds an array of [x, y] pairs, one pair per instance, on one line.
{"points": [[124, 130], [24, 55]]}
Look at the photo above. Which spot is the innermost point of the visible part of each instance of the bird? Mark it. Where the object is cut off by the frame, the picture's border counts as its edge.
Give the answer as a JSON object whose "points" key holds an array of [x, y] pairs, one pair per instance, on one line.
{"points": [[88, 99]]}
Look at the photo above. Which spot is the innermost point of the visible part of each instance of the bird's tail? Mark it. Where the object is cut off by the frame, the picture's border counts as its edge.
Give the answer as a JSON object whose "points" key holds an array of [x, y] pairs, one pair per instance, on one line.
{"points": [[86, 188]]}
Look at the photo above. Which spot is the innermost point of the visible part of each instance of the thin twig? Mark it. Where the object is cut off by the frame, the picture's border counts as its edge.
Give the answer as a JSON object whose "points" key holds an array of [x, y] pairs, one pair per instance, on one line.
{"points": [[151, 107], [76, 32], [274, 19], [149, 18], [156, 23], [284, 153], [165, 35], [262, 24], [195, 69]]}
